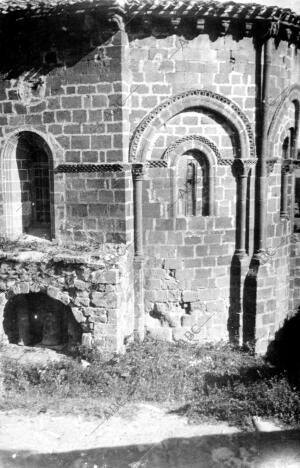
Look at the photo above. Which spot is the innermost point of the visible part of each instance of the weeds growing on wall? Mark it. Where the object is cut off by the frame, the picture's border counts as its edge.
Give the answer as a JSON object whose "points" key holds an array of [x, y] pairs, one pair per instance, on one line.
{"points": [[208, 382]]}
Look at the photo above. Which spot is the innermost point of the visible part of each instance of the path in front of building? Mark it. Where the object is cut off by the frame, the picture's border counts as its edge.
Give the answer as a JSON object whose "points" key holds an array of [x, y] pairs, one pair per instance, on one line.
{"points": [[139, 436]]}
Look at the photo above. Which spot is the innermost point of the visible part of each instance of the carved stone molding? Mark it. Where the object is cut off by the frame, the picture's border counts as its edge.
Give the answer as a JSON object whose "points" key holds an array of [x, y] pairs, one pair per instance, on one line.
{"points": [[225, 162], [104, 168], [155, 163], [296, 163], [193, 138], [118, 20], [273, 28], [230, 108], [31, 88], [287, 96]]}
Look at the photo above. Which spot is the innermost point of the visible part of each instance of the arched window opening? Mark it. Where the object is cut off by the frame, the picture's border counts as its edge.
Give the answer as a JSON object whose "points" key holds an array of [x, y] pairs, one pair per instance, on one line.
{"points": [[28, 186], [191, 187], [292, 143], [193, 184], [35, 319], [297, 202], [286, 149]]}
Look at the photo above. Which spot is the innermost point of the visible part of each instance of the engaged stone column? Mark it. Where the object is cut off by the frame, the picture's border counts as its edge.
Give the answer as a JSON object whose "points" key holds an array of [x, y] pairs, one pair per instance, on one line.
{"points": [[241, 170], [139, 315]]}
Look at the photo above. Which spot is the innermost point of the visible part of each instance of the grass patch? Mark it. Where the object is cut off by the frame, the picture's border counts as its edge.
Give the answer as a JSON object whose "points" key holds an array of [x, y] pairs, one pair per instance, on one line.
{"points": [[203, 382]]}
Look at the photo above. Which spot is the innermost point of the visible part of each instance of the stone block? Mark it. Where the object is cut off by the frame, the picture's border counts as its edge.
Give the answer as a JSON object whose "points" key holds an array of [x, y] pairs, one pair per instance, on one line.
{"points": [[24, 288], [35, 287], [53, 292], [202, 250], [111, 277], [185, 252], [196, 223], [96, 314], [183, 334], [78, 314], [223, 223], [151, 322], [191, 296], [193, 240], [2, 299], [151, 210], [160, 334], [80, 142], [186, 321], [108, 300], [87, 340], [181, 224], [157, 238], [113, 315]]}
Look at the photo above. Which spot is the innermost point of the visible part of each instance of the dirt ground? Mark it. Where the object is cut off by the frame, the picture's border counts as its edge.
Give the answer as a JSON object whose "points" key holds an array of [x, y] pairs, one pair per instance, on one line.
{"points": [[133, 424], [140, 436]]}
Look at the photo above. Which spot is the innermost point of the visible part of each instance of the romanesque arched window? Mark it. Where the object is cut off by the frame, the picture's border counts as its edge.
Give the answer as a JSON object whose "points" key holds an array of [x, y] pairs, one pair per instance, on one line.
{"points": [[193, 184], [27, 186]]}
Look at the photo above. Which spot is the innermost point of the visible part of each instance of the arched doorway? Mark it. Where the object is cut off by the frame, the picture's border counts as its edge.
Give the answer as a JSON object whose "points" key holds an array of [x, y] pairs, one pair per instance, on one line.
{"points": [[36, 319], [27, 186]]}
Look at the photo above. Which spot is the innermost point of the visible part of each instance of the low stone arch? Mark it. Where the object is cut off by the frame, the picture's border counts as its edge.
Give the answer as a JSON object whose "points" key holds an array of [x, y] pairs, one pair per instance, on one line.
{"points": [[19, 291], [276, 133], [196, 98], [12, 225]]}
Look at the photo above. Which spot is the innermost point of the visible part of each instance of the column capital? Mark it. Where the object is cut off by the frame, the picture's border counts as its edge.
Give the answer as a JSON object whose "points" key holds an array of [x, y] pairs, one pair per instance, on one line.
{"points": [[288, 166], [241, 167], [138, 171], [270, 163]]}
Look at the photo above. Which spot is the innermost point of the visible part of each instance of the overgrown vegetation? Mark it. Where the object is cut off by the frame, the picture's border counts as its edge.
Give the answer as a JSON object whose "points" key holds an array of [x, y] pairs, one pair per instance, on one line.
{"points": [[208, 382]]}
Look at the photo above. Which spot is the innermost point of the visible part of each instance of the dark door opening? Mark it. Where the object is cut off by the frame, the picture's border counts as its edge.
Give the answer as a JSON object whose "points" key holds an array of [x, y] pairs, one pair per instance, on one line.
{"points": [[35, 319]]}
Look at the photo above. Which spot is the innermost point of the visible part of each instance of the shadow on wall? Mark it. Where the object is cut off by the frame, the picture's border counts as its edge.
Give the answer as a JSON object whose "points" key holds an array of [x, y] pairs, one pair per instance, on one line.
{"points": [[43, 44], [284, 351], [242, 310]]}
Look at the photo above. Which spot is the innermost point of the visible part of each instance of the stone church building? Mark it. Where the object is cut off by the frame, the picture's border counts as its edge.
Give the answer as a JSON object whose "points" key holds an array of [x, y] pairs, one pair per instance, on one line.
{"points": [[149, 177]]}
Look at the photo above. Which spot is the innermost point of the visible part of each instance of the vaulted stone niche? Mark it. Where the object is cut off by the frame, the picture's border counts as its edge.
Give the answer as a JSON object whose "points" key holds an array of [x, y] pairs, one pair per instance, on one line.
{"points": [[36, 319]]}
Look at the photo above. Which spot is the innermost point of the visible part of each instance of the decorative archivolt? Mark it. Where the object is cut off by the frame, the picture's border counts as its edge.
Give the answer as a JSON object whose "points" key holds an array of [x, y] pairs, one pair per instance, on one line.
{"points": [[290, 96], [192, 99], [193, 142]]}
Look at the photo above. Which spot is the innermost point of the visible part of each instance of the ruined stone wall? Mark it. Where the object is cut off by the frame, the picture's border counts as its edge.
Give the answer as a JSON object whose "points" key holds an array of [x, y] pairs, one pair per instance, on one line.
{"points": [[94, 93], [96, 285]]}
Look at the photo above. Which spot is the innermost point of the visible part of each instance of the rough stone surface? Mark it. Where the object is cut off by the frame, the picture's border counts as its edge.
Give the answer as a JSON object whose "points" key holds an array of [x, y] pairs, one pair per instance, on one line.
{"points": [[186, 106]]}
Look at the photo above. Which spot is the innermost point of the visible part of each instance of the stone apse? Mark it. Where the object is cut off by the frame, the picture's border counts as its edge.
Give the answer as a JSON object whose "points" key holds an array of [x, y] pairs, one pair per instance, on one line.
{"points": [[148, 172]]}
